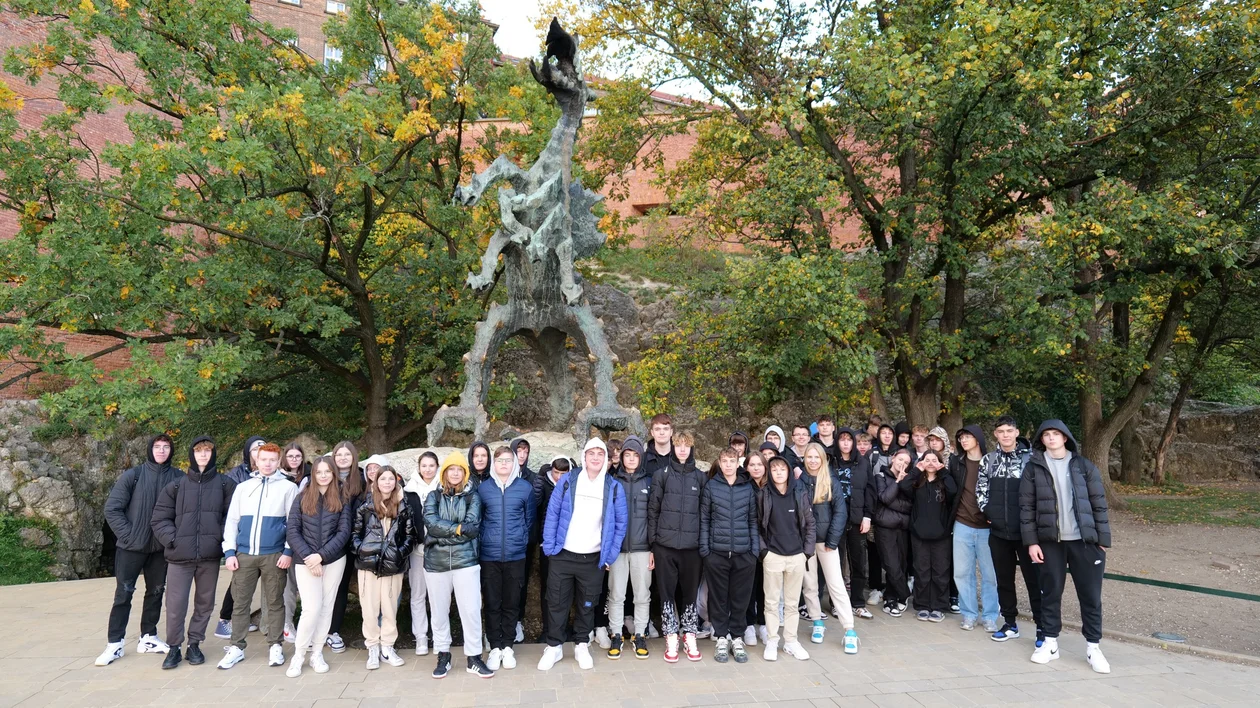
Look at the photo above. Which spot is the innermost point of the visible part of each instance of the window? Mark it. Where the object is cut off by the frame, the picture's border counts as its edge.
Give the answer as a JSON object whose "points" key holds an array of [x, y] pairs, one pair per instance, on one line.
{"points": [[291, 2], [331, 53], [333, 7]]}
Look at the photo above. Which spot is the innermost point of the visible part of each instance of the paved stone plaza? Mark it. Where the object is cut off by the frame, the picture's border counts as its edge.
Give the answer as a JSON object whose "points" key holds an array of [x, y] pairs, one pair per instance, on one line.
{"points": [[52, 633]]}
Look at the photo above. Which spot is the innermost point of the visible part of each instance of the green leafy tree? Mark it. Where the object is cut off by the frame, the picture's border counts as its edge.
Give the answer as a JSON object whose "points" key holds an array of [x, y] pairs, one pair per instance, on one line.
{"points": [[268, 213]]}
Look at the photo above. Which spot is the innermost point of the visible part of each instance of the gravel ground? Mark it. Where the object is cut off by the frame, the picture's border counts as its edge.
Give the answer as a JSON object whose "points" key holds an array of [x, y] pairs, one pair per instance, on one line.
{"points": [[1181, 553]]}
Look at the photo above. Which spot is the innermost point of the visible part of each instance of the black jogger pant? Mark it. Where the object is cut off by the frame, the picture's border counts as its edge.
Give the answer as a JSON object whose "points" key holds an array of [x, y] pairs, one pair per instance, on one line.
{"points": [[501, 586], [892, 546], [180, 578], [128, 567], [730, 581], [931, 573], [531, 555], [677, 577], [1006, 555], [572, 576], [855, 542], [1087, 562], [756, 614], [343, 594]]}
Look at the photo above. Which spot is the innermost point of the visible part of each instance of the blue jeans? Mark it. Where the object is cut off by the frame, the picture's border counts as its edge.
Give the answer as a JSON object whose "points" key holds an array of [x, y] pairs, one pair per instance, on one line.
{"points": [[971, 546]]}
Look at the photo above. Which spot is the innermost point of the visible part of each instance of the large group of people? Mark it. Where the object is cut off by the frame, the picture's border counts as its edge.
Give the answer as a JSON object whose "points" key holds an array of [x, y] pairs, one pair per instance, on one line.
{"points": [[632, 540]]}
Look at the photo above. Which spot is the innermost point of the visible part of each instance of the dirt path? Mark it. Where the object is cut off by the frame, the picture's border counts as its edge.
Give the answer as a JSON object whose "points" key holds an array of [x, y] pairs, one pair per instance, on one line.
{"points": [[1181, 553]]}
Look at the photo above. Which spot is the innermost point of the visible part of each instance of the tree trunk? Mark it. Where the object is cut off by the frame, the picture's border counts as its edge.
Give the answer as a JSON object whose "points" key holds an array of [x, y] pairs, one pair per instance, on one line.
{"points": [[1099, 452], [1130, 453], [878, 404], [918, 394], [376, 433], [952, 402], [1160, 477]]}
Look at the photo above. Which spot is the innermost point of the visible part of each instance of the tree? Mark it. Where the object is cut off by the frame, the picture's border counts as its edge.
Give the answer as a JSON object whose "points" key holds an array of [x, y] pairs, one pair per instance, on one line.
{"points": [[938, 128], [264, 208]]}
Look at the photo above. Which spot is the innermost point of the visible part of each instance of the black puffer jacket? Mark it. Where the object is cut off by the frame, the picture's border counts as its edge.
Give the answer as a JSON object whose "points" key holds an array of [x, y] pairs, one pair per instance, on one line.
{"points": [[893, 508], [829, 516], [325, 532], [1039, 503], [638, 487], [855, 478], [129, 508], [452, 523], [190, 511], [674, 507], [728, 517], [804, 521], [380, 551]]}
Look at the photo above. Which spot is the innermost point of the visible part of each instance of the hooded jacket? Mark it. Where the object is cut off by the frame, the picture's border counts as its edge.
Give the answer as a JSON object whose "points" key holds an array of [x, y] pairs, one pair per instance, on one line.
{"points": [[941, 434], [526, 473], [892, 508], [1039, 502], [257, 520], [997, 489], [638, 487], [783, 440], [475, 476], [901, 428], [958, 465], [931, 504], [325, 532], [885, 451], [831, 516], [383, 552], [674, 507], [654, 462], [560, 513], [129, 507], [414, 493], [544, 485], [728, 517], [507, 515], [452, 522], [190, 511], [244, 471], [804, 516]]}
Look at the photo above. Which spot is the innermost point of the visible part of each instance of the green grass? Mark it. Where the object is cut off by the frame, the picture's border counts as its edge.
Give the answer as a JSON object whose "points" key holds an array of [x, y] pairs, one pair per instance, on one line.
{"points": [[685, 267], [19, 563], [1181, 504]]}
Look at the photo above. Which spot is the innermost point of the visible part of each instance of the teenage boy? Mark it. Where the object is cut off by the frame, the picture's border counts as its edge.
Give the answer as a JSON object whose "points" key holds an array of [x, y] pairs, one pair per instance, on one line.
{"points": [[660, 450], [238, 474], [971, 535], [826, 436], [795, 453], [873, 424], [730, 546], [1063, 519], [188, 522], [997, 493], [257, 550], [520, 448], [586, 523], [633, 564], [129, 512], [854, 472], [875, 569], [549, 475], [902, 432], [918, 443], [674, 532]]}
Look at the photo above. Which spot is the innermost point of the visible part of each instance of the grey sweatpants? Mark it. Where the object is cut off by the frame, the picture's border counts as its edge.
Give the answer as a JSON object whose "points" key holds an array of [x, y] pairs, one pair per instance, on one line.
{"points": [[465, 583], [179, 587], [629, 568]]}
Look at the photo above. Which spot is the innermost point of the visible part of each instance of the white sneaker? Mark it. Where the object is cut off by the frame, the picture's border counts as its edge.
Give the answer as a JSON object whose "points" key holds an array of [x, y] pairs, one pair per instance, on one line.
{"points": [[653, 632], [705, 631], [391, 657], [295, 667], [602, 639], [374, 658], [422, 647], [113, 652], [290, 633], [150, 644], [1047, 652], [875, 598], [582, 652], [232, 655], [750, 636], [495, 660], [795, 649], [509, 658], [763, 633], [771, 652], [1096, 660], [276, 655], [318, 663], [550, 656], [520, 633]]}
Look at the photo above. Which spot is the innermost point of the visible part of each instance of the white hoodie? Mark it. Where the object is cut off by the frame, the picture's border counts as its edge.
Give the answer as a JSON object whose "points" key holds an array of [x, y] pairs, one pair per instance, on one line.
{"points": [[586, 526]]}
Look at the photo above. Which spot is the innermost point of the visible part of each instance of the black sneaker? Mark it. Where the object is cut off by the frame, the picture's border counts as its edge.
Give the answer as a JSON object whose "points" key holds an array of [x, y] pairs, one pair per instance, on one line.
{"points": [[478, 667], [954, 609], [614, 647], [640, 647], [443, 665], [194, 655], [172, 658]]}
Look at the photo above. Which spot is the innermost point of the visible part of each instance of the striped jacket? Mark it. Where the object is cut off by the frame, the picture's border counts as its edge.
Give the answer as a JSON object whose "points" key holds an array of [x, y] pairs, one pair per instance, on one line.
{"points": [[257, 520]]}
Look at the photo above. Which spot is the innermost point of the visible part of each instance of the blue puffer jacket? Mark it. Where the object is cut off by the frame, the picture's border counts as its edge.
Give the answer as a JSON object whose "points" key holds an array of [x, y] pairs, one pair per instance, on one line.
{"points": [[507, 515], [560, 511]]}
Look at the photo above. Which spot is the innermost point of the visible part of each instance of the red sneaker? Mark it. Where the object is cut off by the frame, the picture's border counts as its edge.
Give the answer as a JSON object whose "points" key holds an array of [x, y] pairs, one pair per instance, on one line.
{"points": [[671, 649]]}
